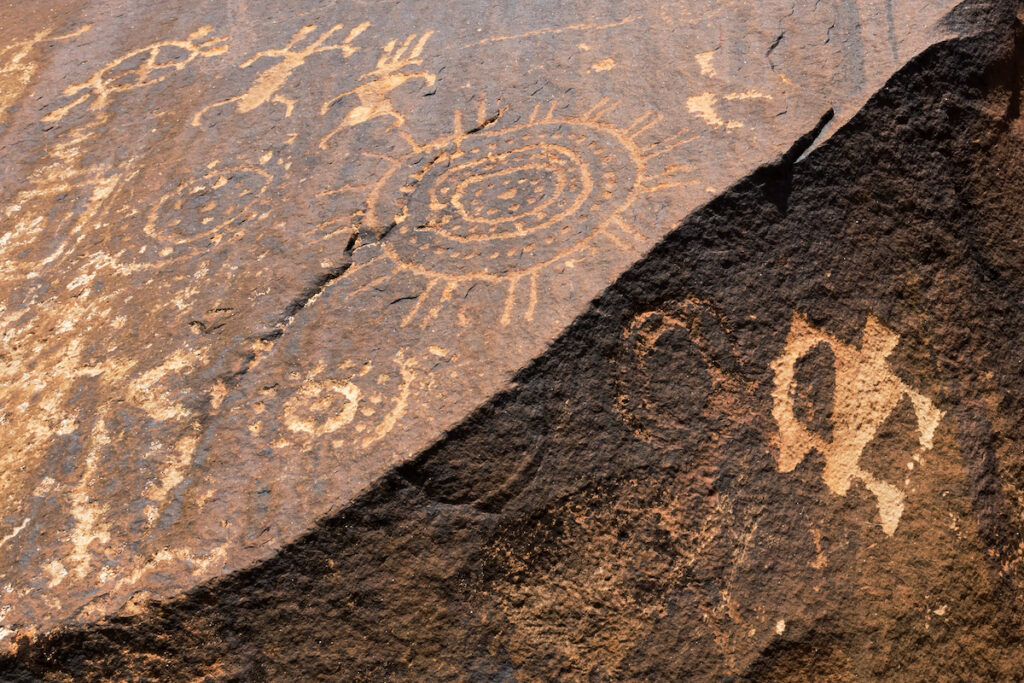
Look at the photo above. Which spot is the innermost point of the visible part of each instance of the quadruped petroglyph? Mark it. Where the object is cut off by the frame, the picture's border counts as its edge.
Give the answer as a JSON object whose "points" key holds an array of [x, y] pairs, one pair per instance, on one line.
{"points": [[373, 94], [866, 393]]}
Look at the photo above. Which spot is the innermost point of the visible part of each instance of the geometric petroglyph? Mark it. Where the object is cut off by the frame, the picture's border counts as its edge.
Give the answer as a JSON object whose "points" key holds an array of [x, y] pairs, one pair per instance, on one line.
{"points": [[500, 203], [321, 407], [866, 393], [146, 66], [373, 94], [268, 84], [207, 206]]}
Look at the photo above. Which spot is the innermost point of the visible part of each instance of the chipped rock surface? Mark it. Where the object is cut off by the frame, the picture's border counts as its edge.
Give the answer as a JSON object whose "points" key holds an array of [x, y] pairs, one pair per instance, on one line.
{"points": [[510, 340]]}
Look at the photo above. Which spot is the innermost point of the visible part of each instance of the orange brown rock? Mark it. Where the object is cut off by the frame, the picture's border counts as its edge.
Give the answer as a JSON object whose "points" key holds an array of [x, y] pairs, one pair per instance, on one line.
{"points": [[514, 306]]}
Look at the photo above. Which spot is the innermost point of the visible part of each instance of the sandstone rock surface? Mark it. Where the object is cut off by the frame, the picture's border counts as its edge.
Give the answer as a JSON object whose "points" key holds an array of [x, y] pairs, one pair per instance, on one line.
{"points": [[631, 340]]}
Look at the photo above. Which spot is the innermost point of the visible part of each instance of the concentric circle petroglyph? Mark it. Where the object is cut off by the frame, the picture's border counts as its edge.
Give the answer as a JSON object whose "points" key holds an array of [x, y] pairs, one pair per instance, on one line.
{"points": [[511, 201], [507, 200]]}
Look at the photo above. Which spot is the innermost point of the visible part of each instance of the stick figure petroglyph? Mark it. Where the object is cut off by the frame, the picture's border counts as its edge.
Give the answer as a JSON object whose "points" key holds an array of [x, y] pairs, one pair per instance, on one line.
{"points": [[272, 79], [867, 391], [373, 94], [145, 66]]}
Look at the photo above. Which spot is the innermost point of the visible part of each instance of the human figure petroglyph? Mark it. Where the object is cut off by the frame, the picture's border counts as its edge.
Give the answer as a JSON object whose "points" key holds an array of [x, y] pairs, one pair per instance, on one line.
{"points": [[271, 80], [146, 66], [867, 391], [374, 101], [17, 69]]}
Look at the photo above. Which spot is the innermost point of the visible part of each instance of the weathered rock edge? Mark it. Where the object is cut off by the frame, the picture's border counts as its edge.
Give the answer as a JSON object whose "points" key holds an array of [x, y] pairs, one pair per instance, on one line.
{"points": [[412, 581]]}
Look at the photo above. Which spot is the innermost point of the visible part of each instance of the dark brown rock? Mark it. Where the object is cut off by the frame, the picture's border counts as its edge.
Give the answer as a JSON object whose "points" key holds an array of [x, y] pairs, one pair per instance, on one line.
{"points": [[781, 446]]}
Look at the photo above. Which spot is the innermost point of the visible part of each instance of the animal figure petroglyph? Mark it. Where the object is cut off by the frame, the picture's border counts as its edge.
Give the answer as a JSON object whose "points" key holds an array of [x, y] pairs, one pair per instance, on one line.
{"points": [[866, 394], [272, 79], [145, 66], [373, 96]]}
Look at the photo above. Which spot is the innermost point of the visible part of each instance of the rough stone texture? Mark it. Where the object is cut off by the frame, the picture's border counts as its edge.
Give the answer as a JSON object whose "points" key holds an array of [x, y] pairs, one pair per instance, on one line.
{"points": [[255, 255], [782, 446]]}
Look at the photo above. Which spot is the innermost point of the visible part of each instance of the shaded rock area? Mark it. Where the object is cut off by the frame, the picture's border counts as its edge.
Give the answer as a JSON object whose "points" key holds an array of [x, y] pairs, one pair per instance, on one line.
{"points": [[785, 445], [254, 256]]}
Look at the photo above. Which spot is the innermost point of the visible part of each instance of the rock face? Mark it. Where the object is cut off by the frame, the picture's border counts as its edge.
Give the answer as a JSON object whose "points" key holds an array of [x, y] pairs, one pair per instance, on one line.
{"points": [[632, 341]]}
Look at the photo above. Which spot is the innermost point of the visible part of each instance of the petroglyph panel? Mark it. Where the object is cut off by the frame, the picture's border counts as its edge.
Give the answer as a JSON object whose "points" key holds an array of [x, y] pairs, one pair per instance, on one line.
{"points": [[253, 257]]}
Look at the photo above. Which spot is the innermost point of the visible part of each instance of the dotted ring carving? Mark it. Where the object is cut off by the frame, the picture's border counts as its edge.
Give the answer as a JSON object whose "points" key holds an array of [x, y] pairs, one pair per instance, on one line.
{"points": [[221, 199]]}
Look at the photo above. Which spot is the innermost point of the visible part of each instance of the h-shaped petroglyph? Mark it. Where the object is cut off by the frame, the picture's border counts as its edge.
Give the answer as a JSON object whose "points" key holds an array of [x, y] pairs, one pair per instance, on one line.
{"points": [[16, 69], [867, 391], [373, 96], [705, 106], [272, 79], [139, 68]]}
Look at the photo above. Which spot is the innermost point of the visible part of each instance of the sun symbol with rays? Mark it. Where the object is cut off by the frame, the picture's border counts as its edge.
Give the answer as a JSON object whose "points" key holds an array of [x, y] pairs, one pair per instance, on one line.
{"points": [[502, 203]]}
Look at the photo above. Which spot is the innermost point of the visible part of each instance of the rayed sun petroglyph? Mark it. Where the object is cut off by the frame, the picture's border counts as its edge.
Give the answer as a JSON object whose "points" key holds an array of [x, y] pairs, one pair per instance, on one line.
{"points": [[499, 204], [867, 391]]}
